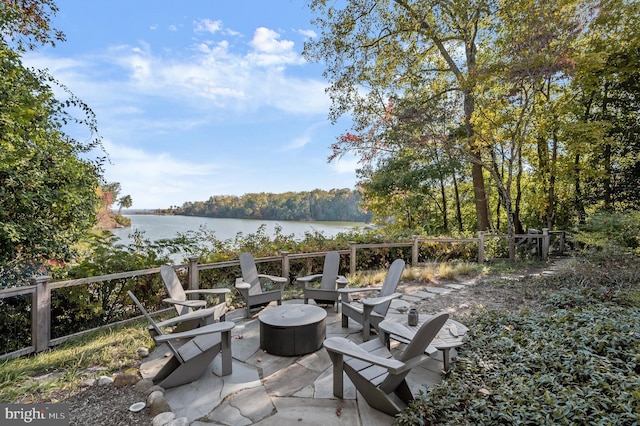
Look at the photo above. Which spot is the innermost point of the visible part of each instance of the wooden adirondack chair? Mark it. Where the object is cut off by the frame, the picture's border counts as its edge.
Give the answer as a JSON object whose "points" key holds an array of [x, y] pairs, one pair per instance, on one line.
{"points": [[194, 313], [251, 286], [373, 309], [198, 347], [376, 373], [330, 282]]}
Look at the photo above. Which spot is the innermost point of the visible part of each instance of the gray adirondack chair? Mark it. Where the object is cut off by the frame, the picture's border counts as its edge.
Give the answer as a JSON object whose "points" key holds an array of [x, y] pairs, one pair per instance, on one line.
{"points": [[192, 351], [376, 373], [330, 282], [373, 309], [251, 288], [194, 313]]}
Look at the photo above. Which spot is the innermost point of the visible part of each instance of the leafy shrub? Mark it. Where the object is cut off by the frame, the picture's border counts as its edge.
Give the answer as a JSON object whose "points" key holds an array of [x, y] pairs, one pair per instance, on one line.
{"points": [[442, 252], [15, 326], [496, 248], [575, 361], [18, 272], [79, 308], [604, 231]]}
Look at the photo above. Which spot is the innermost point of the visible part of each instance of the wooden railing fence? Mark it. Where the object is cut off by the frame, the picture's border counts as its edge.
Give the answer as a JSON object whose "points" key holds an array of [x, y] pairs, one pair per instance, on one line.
{"points": [[41, 287]]}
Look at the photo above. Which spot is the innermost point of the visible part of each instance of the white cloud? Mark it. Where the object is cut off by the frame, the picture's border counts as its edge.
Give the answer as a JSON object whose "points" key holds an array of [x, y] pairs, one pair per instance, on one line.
{"points": [[298, 142], [345, 164], [206, 71], [266, 40], [307, 33], [152, 178], [207, 25], [270, 51]]}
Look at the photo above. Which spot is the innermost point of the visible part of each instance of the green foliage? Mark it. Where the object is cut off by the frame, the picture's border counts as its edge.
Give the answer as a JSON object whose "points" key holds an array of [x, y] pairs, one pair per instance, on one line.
{"points": [[542, 96], [47, 186], [334, 205], [15, 329], [610, 230], [83, 307], [574, 361], [27, 23]]}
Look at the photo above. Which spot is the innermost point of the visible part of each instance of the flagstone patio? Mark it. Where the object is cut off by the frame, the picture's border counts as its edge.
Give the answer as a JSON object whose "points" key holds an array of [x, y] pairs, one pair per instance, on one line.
{"points": [[273, 390]]}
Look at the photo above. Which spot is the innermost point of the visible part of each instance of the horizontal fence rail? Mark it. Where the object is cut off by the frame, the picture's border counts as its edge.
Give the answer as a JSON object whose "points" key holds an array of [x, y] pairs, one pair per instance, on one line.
{"points": [[41, 287]]}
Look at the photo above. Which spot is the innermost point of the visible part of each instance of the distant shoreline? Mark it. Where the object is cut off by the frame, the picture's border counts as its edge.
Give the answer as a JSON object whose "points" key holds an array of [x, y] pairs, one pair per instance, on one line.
{"points": [[156, 212]]}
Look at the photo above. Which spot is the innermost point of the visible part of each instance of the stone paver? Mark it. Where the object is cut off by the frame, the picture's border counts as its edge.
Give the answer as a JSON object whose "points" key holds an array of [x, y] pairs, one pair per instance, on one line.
{"points": [[411, 298], [423, 294], [320, 412], [289, 380], [270, 390], [254, 404], [455, 286]]}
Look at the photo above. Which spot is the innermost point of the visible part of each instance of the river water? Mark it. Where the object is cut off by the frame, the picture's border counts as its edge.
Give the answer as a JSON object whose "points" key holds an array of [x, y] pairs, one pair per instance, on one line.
{"points": [[156, 227]]}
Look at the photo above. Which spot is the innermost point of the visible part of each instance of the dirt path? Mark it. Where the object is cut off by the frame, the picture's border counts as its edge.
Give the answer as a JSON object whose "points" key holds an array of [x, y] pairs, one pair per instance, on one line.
{"points": [[473, 294]]}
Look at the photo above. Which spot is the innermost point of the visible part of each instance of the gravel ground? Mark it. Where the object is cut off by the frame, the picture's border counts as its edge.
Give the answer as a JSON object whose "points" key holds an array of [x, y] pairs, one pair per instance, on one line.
{"points": [[106, 405]]}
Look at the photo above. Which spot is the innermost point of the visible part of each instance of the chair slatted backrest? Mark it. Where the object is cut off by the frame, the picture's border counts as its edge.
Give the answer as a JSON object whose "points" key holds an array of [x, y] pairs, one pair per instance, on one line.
{"points": [[390, 284], [330, 271], [423, 337], [153, 324], [174, 288], [250, 273]]}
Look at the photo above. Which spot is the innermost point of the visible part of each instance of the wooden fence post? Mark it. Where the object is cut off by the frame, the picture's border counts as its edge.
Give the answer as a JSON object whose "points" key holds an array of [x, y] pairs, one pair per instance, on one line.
{"points": [[545, 243], [285, 264], [512, 246], [194, 274], [41, 313], [352, 258], [480, 246], [414, 252], [562, 239]]}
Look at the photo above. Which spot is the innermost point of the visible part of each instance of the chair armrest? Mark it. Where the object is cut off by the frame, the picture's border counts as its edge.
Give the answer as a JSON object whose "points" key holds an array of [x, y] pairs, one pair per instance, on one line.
{"points": [[358, 289], [188, 303], [308, 278], [242, 285], [218, 327], [199, 314], [396, 329], [347, 347], [342, 281], [415, 361], [373, 301], [273, 278], [209, 291]]}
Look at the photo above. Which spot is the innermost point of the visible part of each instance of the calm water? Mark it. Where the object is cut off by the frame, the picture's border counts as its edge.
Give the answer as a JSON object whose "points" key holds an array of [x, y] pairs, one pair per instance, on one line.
{"points": [[157, 227]]}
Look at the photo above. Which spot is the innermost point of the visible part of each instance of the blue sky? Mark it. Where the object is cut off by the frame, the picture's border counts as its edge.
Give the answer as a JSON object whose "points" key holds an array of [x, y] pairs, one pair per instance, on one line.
{"points": [[201, 97]]}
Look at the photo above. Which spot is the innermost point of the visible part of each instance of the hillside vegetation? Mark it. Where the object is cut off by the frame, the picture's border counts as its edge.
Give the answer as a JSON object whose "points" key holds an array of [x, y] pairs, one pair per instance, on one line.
{"points": [[317, 205]]}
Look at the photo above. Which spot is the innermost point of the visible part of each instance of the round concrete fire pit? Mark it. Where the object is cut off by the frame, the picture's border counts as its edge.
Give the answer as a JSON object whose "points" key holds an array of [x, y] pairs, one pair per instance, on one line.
{"points": [[290, 330]]}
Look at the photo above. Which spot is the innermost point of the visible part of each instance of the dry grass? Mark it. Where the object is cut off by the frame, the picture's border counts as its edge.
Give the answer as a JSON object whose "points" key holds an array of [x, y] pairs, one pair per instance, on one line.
{"points": [[53, 375], [429, 272]]}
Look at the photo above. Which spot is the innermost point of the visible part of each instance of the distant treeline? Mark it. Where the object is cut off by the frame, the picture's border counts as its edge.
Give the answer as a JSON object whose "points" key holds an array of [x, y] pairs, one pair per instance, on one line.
{"points": [[317, 205]]}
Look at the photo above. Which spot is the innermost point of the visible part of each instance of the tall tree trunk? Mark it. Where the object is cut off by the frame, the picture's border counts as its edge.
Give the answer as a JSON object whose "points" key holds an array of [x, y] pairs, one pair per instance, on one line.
{"points": [[443, 194], [458, 207], [479, 192], [606, 160], [551, 201], [578, 201], [519, 229], [543, 169]]}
